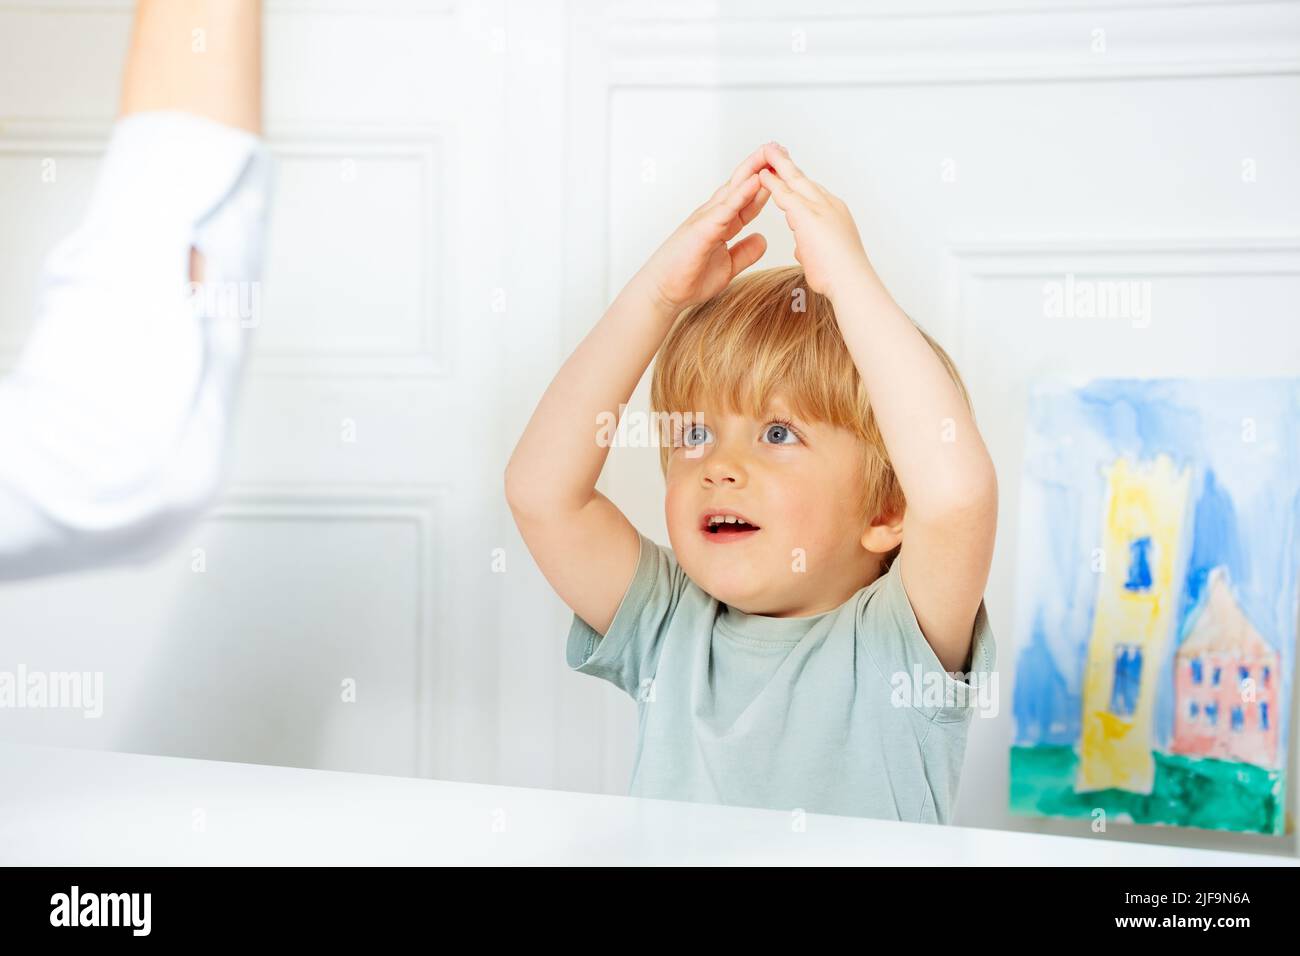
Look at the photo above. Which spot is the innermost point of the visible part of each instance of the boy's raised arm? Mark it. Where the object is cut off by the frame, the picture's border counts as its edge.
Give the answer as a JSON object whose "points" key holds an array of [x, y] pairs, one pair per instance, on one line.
{"points": [[934, 446], [583, 544]]}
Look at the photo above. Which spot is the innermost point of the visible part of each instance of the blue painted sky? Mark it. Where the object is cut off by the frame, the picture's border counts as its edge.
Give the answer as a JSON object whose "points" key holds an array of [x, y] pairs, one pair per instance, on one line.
{"points": [[1244, 512]]}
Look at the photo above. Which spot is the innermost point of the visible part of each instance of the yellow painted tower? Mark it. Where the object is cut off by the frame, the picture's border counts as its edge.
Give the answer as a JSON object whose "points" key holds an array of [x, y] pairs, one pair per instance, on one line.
{"points": [[1133, 621]]}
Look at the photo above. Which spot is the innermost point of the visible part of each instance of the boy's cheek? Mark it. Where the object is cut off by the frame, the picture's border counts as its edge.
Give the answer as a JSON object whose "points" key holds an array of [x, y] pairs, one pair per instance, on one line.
{"points": [[806, 537], [677, 512], [797, 509], [672, 500]]}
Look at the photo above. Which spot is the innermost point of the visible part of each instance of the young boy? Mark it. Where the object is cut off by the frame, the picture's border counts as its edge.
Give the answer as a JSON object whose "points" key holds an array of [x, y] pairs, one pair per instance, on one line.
{"points": [[831, 508]]}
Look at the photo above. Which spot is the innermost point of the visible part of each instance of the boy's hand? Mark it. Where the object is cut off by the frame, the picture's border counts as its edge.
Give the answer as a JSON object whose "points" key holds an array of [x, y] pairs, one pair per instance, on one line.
{"points": [[694, 263], [826, 238]]}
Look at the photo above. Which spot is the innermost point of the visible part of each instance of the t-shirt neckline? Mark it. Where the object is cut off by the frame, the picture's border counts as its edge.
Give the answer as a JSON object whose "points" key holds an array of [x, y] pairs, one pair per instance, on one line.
{"points": [[764, 627]]}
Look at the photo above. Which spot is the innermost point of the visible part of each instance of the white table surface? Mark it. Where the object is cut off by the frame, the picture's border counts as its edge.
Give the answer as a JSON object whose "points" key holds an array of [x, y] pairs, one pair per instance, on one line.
{"points": [[82, 807]]}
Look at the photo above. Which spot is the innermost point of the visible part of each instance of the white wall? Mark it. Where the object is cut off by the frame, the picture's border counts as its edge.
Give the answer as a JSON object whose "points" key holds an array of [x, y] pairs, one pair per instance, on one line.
{"points": [[466, 185]]}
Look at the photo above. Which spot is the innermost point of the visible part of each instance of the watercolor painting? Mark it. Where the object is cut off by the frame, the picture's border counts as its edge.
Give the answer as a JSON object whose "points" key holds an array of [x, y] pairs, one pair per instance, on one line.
{"points": [[1156, 602]]}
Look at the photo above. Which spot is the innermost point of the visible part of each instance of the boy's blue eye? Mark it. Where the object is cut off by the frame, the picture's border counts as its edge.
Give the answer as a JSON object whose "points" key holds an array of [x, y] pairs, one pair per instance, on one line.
{"points": [[784, 436], [695, 435]]}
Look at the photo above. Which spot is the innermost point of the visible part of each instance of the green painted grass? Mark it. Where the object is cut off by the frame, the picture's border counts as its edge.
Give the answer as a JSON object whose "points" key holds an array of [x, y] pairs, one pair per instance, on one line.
{"points": [[1188, 792]]}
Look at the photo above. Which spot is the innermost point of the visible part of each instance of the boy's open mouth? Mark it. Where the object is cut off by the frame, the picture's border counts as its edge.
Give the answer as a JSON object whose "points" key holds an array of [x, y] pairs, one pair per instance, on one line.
{"points": [[725, 525]]}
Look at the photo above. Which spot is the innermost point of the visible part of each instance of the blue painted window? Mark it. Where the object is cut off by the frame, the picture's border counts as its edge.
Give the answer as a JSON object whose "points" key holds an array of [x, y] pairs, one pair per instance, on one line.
{"points": [[1139, 564], [1243, 673], [1193, 708], [1263, 715], [1264, 677], [1211, 713], [1215, 679], [1198, 671], [1238, 719], [1127, 680]]}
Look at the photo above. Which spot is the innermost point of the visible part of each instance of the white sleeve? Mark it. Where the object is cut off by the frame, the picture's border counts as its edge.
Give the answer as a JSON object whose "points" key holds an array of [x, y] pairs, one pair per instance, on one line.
{"points": [[114, 422]]}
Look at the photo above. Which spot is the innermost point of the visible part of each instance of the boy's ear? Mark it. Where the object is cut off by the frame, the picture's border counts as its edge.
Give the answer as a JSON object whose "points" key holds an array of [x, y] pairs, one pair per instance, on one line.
{"points": [[883, 534]]}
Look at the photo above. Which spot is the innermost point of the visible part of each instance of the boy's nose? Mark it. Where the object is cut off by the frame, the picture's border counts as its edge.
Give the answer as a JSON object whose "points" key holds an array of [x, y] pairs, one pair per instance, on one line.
{"points": [[723, 471]]}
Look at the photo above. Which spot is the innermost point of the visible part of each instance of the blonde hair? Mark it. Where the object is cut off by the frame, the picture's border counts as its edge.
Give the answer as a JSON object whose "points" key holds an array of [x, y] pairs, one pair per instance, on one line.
{"points": [[752, 339]]}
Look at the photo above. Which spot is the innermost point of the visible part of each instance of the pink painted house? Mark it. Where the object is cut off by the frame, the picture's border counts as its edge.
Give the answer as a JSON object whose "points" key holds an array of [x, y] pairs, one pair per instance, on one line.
{"points": [[1225, 683]]}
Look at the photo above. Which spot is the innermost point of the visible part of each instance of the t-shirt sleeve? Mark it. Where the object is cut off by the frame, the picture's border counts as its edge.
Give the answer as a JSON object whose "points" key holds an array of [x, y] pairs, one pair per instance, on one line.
{"points": [[628, 655], [890, 635]]}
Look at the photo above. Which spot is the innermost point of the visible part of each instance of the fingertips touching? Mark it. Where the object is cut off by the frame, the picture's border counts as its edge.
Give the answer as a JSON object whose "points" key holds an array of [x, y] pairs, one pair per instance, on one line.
{"points": [[774, 184], [778, 157]]}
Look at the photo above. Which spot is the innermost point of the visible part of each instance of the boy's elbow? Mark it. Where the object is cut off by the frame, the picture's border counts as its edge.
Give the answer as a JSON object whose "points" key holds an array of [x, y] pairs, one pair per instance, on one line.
{"points": [[984, 491], [514, 488], [977, 496], [536, 500], [963, 499], [522, 495], [979, 508]]}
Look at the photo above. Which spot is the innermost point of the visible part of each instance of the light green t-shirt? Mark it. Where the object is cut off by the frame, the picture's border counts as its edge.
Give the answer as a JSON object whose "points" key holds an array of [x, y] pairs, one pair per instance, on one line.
{"points": [[840, 712]]}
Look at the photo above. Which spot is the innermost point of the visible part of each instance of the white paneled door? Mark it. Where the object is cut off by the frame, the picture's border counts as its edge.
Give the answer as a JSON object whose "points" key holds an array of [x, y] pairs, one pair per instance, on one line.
{"points": [[340, 607]]}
